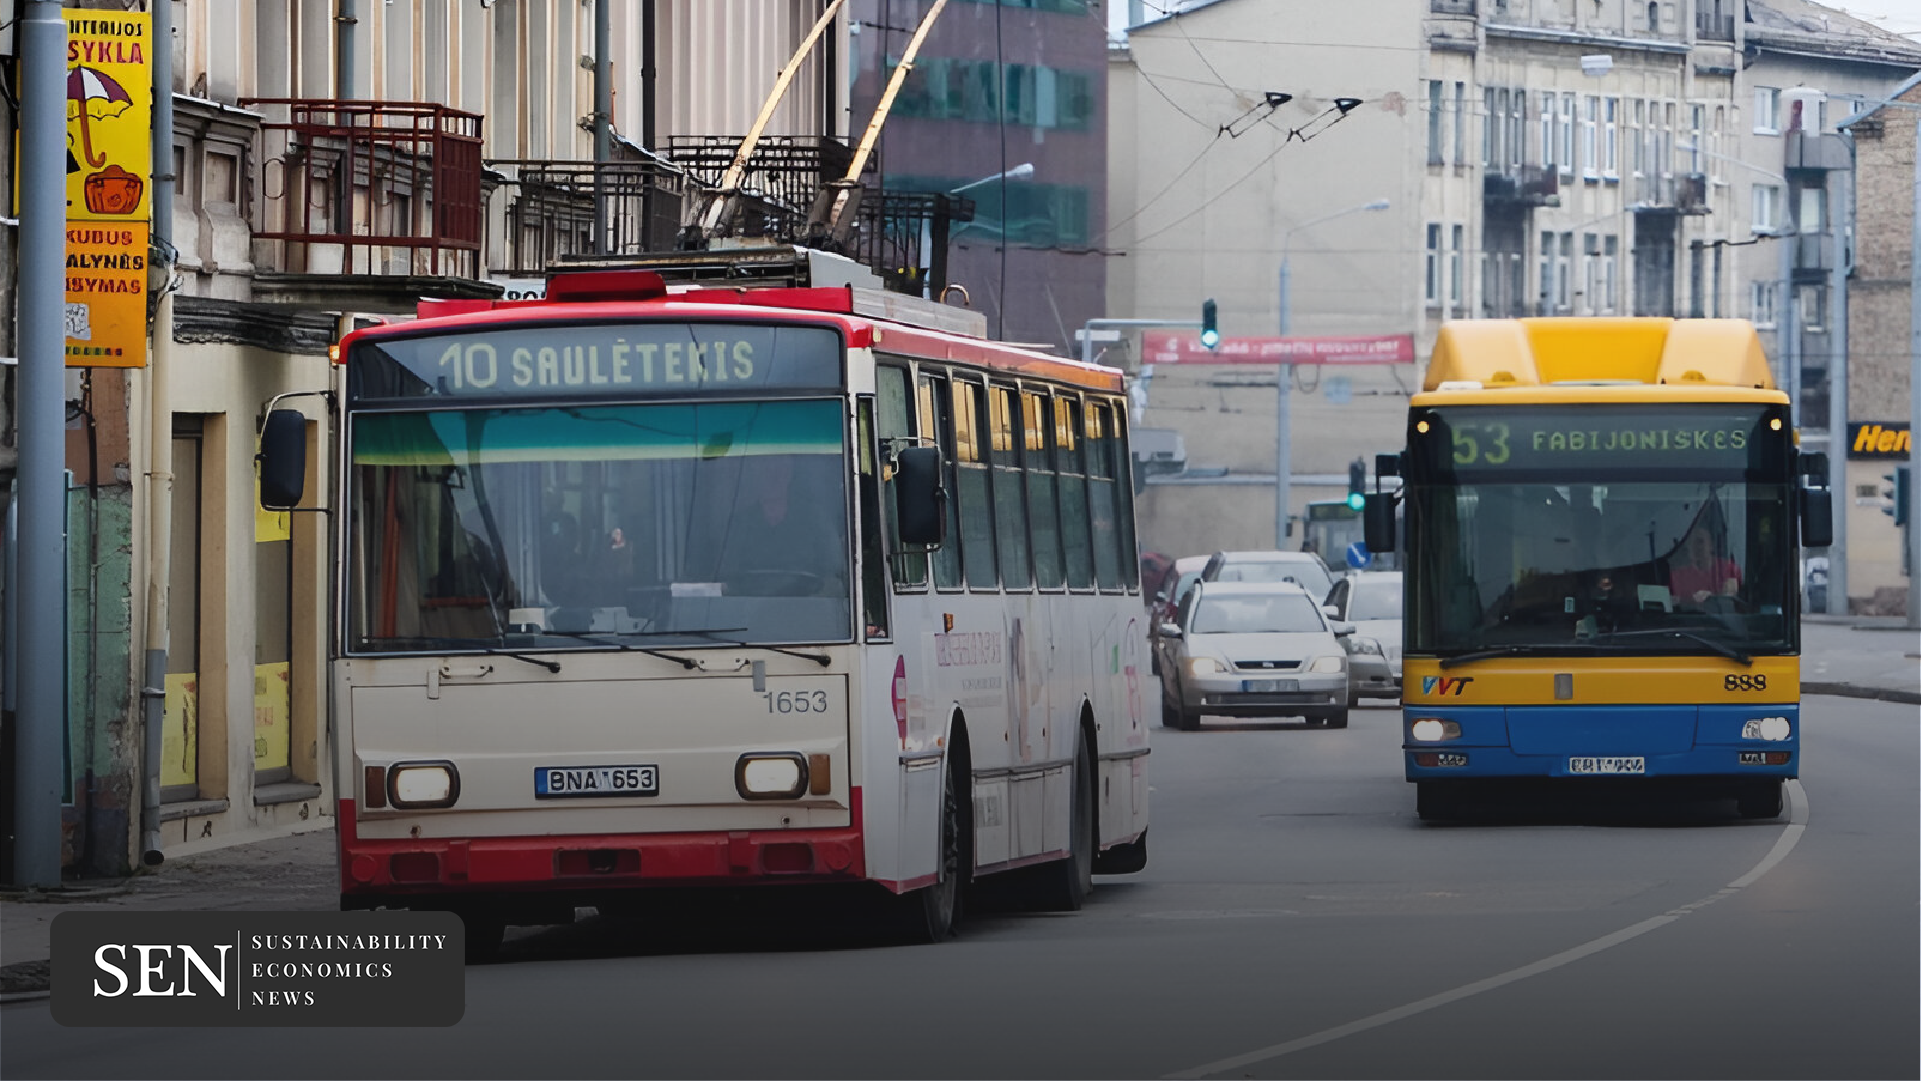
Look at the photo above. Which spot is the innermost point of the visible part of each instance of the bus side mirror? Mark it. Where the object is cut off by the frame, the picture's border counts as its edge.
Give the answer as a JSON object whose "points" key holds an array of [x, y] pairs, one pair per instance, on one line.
{"points": [[1817, 517], [1814, 464], [918, 496], [1378, 525], [283, 459]]}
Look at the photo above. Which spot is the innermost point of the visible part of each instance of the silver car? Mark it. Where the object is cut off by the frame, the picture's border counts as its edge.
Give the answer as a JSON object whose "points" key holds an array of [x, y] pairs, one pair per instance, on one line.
{"points": [[1370, 601], [1252, 649]]}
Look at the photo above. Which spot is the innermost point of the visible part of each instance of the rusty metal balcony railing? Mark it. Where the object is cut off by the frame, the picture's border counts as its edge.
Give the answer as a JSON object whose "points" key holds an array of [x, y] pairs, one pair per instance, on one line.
{"points": [[782, 178], [544, 210], [387, 187]]}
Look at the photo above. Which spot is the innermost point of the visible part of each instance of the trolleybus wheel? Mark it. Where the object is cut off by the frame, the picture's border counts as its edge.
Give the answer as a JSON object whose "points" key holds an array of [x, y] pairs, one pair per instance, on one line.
{"points": [[1760, 801], [932, 913], [1061, 886]]}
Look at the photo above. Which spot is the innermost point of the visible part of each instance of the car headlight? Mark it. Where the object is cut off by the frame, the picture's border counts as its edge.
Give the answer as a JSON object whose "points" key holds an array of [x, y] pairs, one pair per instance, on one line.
{"points": [[1772, 729], [1204, 666], [1433, 730], [423, 784], [1328, 664], [1364, 645]]}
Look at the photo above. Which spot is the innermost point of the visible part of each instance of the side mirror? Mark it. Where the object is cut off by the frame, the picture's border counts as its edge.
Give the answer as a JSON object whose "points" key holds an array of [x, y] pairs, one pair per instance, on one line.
{"points": [[1341, 628], [283, 459], [1379, 522], [1170, 630], [1814, 463], [918, 496], [1332, 611], [1817, 517]]}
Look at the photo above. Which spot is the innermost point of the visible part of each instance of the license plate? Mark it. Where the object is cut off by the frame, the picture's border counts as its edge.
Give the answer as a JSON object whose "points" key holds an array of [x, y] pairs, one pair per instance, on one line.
{"points": [[1607, 765], [1268, 686], [564, 782]]}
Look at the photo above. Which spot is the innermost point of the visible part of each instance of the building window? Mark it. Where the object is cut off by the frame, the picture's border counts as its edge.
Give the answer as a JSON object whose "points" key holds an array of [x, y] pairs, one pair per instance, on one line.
{"points": [[1767, 199], [1436, 152], [1590, 138], [1547, 273], [1654, 17], [1610, 277], [1549, 144], [1717, 141], [1564, 275], [1767, 110], [1590, 273], [1610, 138], [1454, 262], [1814, 211], [1517, 128], [1432, 288], [1697, 125], [1761, 304], [1637, 150], [1460, 123], [1491, 124], [1566, 160], [1814, 306]]}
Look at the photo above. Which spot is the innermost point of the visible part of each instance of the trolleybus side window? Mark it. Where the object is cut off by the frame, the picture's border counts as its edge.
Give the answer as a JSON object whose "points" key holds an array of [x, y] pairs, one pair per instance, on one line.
{"points": [[1101, 497], [934, 414], [910, 568], [1124, 489], [1010, 503], [976, 503], [873, 573], [1073, 492], [1043, 511]]}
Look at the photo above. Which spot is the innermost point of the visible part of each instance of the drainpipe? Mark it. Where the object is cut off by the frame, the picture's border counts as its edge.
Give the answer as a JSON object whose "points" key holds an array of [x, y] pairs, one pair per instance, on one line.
{"points": [[346, 17], [647, 122], [153, 690], [603, 120]]}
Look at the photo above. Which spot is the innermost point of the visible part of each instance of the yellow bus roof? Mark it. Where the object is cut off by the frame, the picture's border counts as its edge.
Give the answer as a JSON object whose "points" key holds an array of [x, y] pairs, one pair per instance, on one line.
{"points": [[1629, 356]]}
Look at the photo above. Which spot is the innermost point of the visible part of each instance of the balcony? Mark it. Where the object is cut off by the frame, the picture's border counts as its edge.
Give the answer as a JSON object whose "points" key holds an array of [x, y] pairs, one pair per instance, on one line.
{"points": [[1813, 256], [1521, 186], [1671, 193], [369, 188], [1452, 7], [1812, 150], [542, 212], [1711, 26]]}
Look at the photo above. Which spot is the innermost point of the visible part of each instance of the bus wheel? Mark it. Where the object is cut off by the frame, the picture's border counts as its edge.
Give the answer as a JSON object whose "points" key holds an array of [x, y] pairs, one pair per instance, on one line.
{"points": [[932, 913], [1760, 801], [1061, 886]]}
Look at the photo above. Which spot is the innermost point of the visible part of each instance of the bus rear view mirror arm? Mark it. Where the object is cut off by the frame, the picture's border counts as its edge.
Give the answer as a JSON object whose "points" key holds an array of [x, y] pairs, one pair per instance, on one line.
{"points": [[918, 496]]}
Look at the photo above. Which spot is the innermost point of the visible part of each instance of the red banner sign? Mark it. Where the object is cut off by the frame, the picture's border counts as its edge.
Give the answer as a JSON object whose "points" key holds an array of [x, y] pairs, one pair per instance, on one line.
{"points": [[1184, 347]]}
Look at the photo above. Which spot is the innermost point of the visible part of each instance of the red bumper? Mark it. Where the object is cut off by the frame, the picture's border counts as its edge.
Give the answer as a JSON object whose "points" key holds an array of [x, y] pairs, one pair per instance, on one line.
{"points": [[596, 861]]}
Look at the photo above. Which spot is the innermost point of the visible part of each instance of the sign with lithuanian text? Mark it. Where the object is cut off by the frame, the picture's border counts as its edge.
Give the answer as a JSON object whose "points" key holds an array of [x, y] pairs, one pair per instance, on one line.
{"points": [[109, 115], [106, 294], [1184, 347]]}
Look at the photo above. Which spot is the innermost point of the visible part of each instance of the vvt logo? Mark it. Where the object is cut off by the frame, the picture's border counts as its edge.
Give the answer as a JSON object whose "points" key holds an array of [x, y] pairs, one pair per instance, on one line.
{"points": [[1453, 685]]}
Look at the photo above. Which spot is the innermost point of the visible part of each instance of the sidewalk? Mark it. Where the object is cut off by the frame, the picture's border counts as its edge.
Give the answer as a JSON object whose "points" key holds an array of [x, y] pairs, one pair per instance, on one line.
{"points": [[1863, 657]]}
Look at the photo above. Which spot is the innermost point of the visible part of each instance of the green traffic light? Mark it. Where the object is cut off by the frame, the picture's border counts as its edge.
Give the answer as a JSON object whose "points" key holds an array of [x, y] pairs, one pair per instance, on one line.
{"points": [[1210, 324], [1356, 501]]}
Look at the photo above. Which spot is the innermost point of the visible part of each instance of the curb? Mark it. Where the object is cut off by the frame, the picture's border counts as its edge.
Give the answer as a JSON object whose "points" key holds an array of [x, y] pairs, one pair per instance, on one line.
{"points": [[1849, 690], [25, 996]]}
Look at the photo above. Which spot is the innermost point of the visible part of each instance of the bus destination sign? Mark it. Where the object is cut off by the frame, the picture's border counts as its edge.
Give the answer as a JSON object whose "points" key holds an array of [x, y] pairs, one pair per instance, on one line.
{"points": [[597, 360], [1502, 439]]}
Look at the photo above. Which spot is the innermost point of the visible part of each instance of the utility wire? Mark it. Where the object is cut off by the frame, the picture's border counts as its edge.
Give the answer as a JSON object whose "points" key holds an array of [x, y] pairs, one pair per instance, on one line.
{"points": [[1303, 133], [1142, 209]]}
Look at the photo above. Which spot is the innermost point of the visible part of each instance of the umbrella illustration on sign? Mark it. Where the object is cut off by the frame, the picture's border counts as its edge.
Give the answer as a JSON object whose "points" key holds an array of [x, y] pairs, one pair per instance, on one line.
{"points": [[94, 95]]}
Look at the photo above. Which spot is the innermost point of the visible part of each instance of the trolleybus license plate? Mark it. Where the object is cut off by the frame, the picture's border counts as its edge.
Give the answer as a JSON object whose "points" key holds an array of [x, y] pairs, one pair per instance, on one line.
{"points": [[1607, 765], [558, 782], [1268, 686]]}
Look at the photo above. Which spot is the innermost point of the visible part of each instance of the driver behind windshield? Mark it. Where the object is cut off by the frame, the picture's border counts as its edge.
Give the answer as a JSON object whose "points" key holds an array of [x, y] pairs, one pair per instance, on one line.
{"points": [[1701, 572]]}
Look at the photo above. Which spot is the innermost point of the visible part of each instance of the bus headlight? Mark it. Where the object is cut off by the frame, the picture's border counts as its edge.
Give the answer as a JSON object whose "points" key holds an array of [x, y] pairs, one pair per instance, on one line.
{"points": [[1205, 666], [1328, 664], [415, 785], [1433, 730], [778, 775], [1772, 729]]}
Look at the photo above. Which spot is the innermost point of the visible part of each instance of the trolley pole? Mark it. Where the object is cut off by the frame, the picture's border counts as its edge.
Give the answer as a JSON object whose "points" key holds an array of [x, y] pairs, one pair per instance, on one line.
{"points": [[41, 650]]}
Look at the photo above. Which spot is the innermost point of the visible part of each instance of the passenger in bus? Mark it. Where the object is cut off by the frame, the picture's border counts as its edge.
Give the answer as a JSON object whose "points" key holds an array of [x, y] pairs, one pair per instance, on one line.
{"points": [[1702, 572], [775, 540], [559, 549]]}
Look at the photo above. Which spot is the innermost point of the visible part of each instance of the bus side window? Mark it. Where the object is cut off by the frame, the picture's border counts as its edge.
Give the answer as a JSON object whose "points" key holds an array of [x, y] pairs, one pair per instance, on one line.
{"points": [[1073, 492], [873, 555], [1010, 505], [976, 503], [910, 568], [1124, 488], [1043, 510], [1101, 497], [934, 416]]}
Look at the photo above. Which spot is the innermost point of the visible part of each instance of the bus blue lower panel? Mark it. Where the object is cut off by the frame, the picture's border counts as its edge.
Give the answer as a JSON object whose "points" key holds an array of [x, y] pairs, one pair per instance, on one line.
{"points": [[1542, 741]]}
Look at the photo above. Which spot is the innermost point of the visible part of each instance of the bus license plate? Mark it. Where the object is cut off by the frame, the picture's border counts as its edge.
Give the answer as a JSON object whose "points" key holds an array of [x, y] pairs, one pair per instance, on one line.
{"points": [[1268, 686], [1607, 765], [562, 782]]}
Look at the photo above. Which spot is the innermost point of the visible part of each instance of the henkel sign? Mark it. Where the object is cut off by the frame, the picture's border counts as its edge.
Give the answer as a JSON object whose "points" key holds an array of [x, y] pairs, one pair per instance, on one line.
{"points": [[1184, 347], [1879, 439]]}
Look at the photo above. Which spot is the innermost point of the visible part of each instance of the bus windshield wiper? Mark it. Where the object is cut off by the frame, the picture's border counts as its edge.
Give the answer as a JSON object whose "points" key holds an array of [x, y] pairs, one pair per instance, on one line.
{"points": [[1725, 650], [551, 666], [1520, 649], [625, 647], [821, 659]]}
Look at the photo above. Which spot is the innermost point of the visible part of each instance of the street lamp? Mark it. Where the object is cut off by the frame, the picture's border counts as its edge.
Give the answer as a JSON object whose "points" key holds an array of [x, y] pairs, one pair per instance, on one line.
{"points": [[1283, 434], [1019, 172]]}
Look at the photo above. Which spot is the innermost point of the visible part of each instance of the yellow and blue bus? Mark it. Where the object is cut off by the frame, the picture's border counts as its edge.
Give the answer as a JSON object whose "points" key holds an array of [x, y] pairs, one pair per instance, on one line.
{"points": [[1603, 518]]}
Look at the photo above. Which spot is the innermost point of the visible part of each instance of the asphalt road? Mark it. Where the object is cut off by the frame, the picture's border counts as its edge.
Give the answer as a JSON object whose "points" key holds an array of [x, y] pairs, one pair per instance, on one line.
{"points": [[1296, 920]]}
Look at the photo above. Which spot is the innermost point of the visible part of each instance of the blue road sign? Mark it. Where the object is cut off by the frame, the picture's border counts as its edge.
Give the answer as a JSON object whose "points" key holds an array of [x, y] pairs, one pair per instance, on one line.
{"points": [[1358, 556]]}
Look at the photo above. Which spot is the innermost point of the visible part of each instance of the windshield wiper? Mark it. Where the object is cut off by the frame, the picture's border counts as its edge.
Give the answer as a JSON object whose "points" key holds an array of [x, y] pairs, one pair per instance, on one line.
{"points": [[625, 647], [551, 666], [1725, 650], [821, 659], [1522, 649]]}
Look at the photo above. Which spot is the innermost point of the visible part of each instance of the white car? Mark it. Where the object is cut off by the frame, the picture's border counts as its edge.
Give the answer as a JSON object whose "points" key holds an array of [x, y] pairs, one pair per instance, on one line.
{"points": [[1371, 602], [1252, 649]]}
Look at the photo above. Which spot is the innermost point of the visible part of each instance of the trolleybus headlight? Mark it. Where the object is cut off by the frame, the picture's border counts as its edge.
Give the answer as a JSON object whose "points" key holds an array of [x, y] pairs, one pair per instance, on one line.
{"points": [[1433, 730], [778, 775], [423, 784], [1328, 664], [1205, 666], [1772, 729]]}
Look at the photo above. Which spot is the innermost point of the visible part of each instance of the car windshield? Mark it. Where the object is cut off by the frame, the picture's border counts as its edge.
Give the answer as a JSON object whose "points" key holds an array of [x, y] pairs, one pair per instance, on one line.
{"points": [[1272, 613], [1305, 573], [1375, 598], [583, 526]]}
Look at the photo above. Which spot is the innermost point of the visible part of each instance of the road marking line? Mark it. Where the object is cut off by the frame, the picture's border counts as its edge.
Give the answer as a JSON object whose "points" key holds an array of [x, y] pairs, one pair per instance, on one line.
{"points": [[1797, 819]]}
